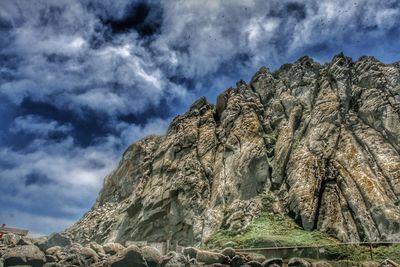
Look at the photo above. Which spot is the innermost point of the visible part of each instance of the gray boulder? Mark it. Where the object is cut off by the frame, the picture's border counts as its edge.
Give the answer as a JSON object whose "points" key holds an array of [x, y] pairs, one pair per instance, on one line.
{"points": [[237, 261], [11, 240], [190, 252], [51, 258], [53, 250], [24, 255], [255, 257], [254, 264], [273, 262], [57, 239], [152, 256], [53, 240], [229, 252], [172, 259], [298, 262], [130, 256], [96, 247], [207, 257], [113, 248]]}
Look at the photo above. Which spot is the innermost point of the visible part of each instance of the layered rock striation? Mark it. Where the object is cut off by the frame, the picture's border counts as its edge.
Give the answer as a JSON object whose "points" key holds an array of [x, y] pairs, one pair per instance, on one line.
{"points": [[323, 140]]}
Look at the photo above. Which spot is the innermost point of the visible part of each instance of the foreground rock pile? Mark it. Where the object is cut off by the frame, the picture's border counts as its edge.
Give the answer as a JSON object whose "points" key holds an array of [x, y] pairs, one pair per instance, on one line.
{"points": [[323, 140], [58, 251]]}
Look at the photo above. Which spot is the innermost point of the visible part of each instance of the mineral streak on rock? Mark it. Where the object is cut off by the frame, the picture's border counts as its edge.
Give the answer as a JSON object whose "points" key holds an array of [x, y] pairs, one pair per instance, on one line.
{"points": [[323, 139]]}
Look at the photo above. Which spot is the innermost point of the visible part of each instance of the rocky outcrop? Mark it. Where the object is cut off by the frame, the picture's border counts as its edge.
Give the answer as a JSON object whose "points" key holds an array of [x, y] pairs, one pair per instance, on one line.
{"points": [[322, 139]]}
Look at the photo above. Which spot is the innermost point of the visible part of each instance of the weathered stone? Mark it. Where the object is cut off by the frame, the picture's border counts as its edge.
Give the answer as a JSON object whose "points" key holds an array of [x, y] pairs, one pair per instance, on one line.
{"points": [[237, 261], [53, 240], [173, 259], [24, 241], [24, 255], [152, 256], [254, 263], [323, 139], [96, 247], [11, 240], [207, 257], [298, 262], [53, 250], [88, 253], [321, 264], [130, 256], [229, 252], [51, 258], [255, 257], [273, 262], [190, 252], [113, 248]]}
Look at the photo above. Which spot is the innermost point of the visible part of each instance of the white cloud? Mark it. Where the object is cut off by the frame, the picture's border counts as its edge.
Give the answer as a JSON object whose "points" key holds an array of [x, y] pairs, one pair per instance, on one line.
{"points": [[39, 126]]}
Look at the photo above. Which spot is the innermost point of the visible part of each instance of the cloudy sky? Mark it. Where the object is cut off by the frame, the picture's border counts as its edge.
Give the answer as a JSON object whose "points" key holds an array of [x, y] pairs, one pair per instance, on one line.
{"points": [[81, 80]]}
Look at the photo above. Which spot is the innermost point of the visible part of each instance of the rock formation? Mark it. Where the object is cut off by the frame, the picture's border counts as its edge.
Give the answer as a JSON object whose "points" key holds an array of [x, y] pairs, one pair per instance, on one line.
{"points": [[321, 139]]}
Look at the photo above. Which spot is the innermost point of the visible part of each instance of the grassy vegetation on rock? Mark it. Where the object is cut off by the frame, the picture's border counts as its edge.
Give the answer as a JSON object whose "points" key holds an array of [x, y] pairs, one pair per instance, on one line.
{"points": [[270, 230], [275, 230]]}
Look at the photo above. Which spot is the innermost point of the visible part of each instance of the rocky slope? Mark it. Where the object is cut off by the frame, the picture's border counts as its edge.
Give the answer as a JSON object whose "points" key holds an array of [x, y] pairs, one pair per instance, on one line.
{"points": [[322, 140]]}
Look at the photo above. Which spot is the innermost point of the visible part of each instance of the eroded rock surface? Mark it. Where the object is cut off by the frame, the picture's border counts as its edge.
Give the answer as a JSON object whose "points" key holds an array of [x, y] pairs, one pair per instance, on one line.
{"points": [[323, 139]]}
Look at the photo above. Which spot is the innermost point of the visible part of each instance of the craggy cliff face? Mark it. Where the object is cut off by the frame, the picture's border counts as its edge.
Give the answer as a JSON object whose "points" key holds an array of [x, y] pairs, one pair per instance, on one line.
{"points": [[322, 139]]}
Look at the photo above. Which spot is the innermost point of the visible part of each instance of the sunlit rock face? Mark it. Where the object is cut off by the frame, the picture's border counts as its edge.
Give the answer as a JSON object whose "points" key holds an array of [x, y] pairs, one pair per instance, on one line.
{"points": [[323, 139]]}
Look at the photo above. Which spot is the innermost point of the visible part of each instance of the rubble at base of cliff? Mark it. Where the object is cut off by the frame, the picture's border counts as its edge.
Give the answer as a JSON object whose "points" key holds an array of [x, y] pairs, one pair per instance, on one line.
{"points": [[58, 250]]}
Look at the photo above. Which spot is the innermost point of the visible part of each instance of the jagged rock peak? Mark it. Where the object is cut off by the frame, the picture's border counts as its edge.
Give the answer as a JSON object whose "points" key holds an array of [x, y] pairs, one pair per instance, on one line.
{"points": [[322, 140]]}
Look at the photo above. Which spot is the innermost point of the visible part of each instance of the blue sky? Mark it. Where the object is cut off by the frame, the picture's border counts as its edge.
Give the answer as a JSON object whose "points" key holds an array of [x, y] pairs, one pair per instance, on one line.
{"points": [[81, 80]]}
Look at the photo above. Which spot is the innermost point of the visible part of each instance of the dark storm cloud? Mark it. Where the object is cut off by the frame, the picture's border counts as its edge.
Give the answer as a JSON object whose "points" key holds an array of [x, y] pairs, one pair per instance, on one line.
{"points": [[80, 80], [141, 17]]}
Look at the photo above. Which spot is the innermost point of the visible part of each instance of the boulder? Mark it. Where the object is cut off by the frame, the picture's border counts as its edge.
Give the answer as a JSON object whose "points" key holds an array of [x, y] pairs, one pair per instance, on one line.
{"points": [[24, 241], [254, 264], [53, 240], [96, 247], [190, 252], [298, 262], [53, 250], [237, 261], [51, 258], [10, 239], [255, 257], [321, 264], [172, 259], [229, 252], [113, 248], [57, 239], [207, 257], [71, 259], [273, 262], [130, 256], [152, 256], [88, 253], [24, 255]]}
